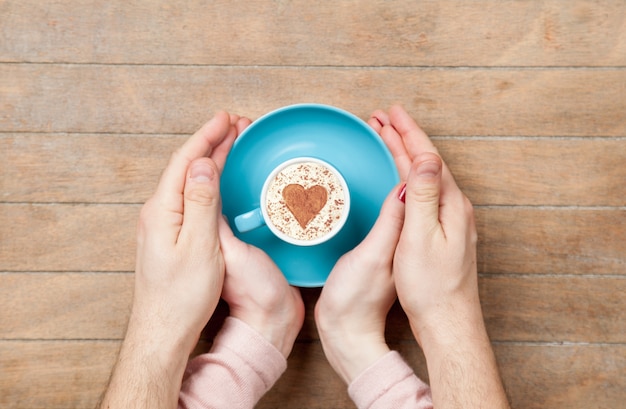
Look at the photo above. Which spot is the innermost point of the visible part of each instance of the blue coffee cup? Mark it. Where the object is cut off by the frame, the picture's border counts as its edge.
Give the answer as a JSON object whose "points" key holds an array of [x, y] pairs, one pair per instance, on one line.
{"points": [[260, 216]]}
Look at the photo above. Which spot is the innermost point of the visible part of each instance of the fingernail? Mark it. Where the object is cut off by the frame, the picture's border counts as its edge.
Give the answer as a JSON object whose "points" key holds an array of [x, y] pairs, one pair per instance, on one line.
{"points": [[378, 120], [402, 194], [429, 169], [201, 172]]}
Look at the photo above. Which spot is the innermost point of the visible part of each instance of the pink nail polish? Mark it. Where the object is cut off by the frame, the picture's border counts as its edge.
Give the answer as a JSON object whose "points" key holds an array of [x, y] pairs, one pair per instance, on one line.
{"points": [[402, 194]]}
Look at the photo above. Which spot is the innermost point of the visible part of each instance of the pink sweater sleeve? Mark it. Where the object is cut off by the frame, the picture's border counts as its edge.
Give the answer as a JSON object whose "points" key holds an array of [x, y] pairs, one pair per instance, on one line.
{"points": [[239, 369], [390, 383]]}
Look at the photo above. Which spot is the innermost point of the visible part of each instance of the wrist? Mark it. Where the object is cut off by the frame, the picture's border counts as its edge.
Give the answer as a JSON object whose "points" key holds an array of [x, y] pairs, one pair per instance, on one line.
{"points": [[279, 321], [458, 352], [149, 339], [147, 370], [449, 325], [349, 355], [282, 335]]}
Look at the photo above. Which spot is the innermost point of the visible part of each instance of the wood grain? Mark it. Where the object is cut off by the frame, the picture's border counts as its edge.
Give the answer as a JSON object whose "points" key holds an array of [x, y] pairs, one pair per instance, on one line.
{"points": [[349, 33], [526, 240], [72, 374], [58, 237], [538, 172], [530, 308], [65, 305], [525, 100], [104, 168], [551, 240], [560, 376], [56, 374], [83, 168], [554, 309], [466, 102]]}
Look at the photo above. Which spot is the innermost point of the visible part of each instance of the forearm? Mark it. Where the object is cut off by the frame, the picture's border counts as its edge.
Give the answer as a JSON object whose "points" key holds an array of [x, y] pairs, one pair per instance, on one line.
{"points": [[148, 372], [461, 364]]}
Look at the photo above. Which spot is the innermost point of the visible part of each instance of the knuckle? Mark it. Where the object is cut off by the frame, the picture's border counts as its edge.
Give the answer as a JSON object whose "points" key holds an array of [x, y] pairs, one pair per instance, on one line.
{"points": [[175, 155], [202, 195], [426, 194], [145, 214], [143, 222]]}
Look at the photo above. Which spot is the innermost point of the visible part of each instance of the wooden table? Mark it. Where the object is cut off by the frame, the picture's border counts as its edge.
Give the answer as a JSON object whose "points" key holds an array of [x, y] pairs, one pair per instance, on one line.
{"points": [[526, 101]]}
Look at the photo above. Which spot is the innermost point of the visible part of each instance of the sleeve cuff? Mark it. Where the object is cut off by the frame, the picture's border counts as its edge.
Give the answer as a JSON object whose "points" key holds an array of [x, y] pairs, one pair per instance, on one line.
{"points": [[390, 379], [240, 368], [257, 352]]}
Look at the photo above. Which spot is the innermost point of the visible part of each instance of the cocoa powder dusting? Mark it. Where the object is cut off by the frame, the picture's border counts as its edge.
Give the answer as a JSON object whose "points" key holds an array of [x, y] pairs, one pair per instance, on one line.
{"points": [[303, 203], [305, 200]]}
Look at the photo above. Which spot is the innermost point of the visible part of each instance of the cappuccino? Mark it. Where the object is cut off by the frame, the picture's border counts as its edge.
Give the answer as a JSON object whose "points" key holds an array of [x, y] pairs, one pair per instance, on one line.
{"points": [[306, 200]]}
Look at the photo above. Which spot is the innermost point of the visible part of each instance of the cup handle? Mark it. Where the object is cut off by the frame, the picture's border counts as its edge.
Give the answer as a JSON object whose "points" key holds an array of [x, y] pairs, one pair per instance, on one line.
{"points": [[249, 221]]}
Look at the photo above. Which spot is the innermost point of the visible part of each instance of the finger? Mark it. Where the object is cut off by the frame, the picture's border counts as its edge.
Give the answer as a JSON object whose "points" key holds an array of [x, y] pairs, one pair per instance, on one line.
{"points": [[416, 142], [172, 183], [375, 125], [201, 205], [242, 124], [415, 139], [395, 144], [381, 116], [423, 196], [226, 235], [377, 120], [221, 151], [454, 207], [383, 237]]}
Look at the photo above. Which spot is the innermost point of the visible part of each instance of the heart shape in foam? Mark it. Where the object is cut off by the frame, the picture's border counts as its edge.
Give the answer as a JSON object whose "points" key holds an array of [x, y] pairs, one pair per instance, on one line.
{"points": [[303, 203]]}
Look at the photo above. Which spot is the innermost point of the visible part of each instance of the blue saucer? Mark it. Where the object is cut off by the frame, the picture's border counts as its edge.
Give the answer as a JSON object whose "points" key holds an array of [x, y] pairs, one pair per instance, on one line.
{"points": [[336, 136]]}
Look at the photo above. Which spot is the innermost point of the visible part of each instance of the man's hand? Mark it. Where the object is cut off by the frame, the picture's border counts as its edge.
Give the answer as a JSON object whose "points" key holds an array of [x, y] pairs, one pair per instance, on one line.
{"points": [[435, 271], [179, 271]]}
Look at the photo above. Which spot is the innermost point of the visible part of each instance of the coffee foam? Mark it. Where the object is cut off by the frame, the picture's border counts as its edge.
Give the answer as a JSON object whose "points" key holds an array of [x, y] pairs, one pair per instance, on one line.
{"points": [[308, 175]]}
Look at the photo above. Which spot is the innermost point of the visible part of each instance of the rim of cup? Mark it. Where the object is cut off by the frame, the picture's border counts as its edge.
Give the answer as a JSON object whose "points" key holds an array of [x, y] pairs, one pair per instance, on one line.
{"points": [[319, 240]]}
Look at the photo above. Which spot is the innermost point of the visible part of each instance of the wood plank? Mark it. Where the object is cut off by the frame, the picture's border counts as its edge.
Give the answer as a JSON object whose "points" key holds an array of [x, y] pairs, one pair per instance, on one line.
{"points": [[83, 168], [56, 374], [465, 102], [554, 309], [64, 237], [65, 305], [551, 240], [530, 308], [563, 376], [90, 168], [376, 32], [67, 237], [552, 172], [64, 374]]}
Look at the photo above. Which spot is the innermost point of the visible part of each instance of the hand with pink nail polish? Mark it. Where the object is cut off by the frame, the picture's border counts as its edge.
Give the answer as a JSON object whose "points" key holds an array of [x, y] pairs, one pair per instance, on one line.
{"points": [[352, 309], [258, 293]]}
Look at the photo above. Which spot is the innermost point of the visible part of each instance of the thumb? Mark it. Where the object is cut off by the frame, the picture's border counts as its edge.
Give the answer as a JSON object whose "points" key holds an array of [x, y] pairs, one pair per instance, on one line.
{"points": [[423, 193], [228, 240], [201, 202], [383, 237]]}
